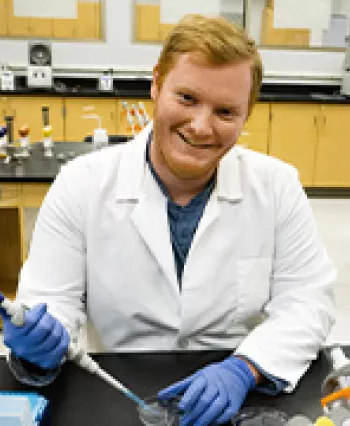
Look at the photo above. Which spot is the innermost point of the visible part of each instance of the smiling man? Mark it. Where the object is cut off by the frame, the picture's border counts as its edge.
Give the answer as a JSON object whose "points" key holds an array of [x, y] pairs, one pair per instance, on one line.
{"points": [[179, 240], [200, 109]]}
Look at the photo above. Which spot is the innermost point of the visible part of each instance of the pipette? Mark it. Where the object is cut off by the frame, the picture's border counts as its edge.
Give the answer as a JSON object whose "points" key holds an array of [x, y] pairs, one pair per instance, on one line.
{"points": [[17, 310]]}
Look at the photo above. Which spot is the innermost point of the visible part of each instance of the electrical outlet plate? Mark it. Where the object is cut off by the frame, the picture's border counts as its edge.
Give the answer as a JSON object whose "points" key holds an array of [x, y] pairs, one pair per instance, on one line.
{"points": [[7, 80], [39, 76]]}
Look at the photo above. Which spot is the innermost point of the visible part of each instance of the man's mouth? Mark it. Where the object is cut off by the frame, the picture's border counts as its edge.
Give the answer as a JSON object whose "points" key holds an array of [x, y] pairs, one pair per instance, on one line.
{"points": [[191, 143]]}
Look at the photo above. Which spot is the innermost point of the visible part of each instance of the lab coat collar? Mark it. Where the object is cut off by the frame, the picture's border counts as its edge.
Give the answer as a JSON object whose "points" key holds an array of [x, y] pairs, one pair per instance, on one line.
{"points": [[133, 166], [229, 177]]}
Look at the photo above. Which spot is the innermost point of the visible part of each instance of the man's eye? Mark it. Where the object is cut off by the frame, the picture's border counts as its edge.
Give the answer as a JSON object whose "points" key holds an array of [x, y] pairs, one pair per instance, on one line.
{"points": [[226, 112], [186, 97]]}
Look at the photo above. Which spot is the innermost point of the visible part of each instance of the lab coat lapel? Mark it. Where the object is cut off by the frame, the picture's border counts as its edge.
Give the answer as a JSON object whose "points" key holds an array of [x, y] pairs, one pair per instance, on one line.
{"points": [[137, 186], [151, 220], [228, 189]]}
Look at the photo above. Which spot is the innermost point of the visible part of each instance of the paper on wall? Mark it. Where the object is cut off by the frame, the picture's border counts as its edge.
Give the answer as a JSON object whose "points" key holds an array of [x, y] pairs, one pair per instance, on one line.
{"points": [[46, 8], [173, 10], [311, 14], [335, 35]]}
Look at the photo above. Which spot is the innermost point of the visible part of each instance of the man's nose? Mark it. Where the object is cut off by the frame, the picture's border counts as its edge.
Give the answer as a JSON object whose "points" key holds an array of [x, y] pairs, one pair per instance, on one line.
{"points": [[202, 123]]}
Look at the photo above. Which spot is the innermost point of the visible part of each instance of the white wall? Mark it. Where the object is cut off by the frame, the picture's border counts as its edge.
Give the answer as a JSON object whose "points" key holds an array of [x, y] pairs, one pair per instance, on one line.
{"points": [[120, 52]]}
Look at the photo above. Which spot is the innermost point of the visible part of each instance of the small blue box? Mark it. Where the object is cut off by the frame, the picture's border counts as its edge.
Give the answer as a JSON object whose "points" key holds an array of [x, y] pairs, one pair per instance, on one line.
{"points": [[21, 408]]}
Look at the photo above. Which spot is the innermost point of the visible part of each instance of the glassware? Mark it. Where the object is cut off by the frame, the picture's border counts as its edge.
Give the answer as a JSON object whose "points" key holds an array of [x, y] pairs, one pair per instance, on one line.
{"points": [[159, 413], [259, 416]]}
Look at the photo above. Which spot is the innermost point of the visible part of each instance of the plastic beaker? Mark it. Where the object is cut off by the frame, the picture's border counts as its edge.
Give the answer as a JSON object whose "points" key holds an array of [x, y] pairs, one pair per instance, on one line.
{"points": [[159, 413]]}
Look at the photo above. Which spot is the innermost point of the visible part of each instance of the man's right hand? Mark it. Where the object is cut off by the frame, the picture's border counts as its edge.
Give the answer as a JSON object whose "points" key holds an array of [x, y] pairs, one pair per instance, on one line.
{"points": [[42, 340]]}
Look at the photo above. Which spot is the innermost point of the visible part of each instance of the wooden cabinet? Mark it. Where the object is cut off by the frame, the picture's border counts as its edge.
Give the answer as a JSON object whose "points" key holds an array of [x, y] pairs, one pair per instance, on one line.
{"points": [[332, 166], [125, 126], [86, 25], [19, 203], [10, 237], [147, 19], [3, 108], [281, 36], [87, 22], [255, 133], [40, 27], [34, 193], [3, 22], [63, 28], [293, 136], [16, 25], [315, 138], [77, 127], [10, 195], [27, 110]]}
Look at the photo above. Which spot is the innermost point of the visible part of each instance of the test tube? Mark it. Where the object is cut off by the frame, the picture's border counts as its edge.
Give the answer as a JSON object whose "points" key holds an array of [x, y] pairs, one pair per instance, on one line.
{"points": [[45, 113], [10, 148], [23, 133], [47, 132], [9, 127], [143, 112]]}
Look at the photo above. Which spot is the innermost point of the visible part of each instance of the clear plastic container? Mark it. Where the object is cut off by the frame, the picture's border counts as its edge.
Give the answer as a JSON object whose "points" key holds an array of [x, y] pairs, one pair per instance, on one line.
{"points": [[159, 413], [260, 416]]}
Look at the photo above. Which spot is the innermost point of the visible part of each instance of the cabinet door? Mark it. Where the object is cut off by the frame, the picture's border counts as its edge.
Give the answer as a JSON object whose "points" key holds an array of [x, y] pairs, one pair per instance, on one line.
{"points": [[10, 243], [147, 18], [40, 27], [293, 137], [127, 115], [78, 127], [27, 110], [3, 108], [333, 153], [3, 21], [256, 130], [63, 28], [17, 25], [86, 27]]}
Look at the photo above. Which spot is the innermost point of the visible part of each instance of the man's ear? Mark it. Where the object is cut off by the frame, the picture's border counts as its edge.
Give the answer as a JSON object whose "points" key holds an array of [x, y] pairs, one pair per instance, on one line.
{"points": [[155, 83]]}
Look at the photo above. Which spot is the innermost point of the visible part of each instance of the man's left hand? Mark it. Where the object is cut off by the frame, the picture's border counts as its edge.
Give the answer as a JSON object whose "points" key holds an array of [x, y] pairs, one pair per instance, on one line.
{"points": [[214, 394]]}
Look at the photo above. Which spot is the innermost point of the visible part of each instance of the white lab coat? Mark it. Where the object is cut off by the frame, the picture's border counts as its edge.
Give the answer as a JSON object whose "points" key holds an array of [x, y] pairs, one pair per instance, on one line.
{"points": [[103, 232]]}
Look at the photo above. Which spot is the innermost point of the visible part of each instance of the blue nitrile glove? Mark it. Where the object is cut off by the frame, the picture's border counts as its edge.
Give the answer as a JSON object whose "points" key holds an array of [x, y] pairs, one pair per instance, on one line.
{"points": [[213, 394], [42, 340]]}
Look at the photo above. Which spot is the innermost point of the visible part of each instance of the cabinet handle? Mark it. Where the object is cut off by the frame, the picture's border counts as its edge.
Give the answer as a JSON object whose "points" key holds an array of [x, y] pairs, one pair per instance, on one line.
{"points": [[317, 120]]}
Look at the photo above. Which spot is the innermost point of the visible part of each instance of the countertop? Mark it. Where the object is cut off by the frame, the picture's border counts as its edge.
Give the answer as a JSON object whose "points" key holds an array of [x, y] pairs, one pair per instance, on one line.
{"points": [[140, 88], [78, 398], [38, 168]]}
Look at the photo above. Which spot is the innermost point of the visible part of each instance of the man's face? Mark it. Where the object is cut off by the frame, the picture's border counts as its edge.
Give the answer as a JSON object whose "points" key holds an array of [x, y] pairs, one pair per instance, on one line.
{"points": [[198, 116]]}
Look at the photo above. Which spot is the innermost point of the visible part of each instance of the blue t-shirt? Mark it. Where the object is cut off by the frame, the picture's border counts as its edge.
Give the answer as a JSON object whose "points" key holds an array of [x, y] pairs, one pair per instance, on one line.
{"points": [[183, 220]]}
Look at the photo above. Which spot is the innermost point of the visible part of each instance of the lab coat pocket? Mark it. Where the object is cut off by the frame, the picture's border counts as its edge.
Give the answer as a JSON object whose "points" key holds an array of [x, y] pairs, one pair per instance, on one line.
{"points": [[253, 284]]}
